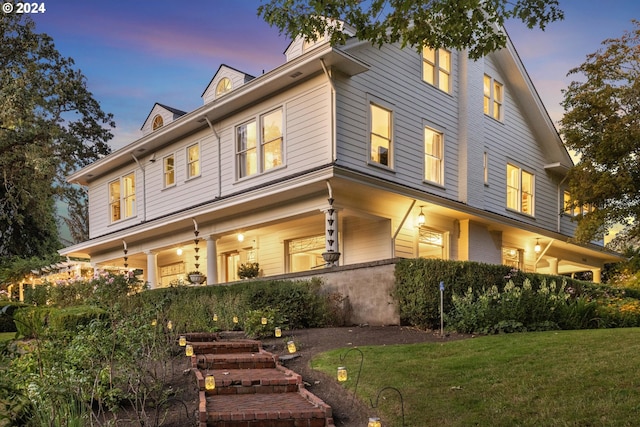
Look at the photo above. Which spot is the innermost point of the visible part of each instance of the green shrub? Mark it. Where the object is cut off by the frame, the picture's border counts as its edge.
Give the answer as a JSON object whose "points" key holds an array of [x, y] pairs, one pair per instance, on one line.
{"points": [[31, 322], [67, 321], [7, 308]]}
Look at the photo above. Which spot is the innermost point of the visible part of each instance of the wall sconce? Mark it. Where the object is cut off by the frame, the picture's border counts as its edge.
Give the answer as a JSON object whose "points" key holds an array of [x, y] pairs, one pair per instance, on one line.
{"points": [[291, 346], [421, 218], [188, 350], [209, 382], [179, 251], [182, 341], [374, 422], [278, 332], [342, 374], [240, 237], [537, 247]]}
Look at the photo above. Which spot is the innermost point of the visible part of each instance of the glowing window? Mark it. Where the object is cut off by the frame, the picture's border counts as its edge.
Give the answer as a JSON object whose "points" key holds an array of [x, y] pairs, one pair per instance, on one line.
{"points": [[436, 68], [224, 86], [157, 122], [380, 136]]}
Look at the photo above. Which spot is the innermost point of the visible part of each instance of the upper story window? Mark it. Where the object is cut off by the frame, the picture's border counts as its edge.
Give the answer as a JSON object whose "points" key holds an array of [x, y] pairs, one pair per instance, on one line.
{"points": [[573, 210], [520, 190], [433, 156], [169, 170], [380, 135], [122, 197], [436, 68], [259, 150], [485, 167], [224, 86], [193, 161], [157, 122], [493, 97]]}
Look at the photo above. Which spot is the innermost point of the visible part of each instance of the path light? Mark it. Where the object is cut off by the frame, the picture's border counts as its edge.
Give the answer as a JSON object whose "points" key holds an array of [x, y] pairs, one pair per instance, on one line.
{"points": [[188, 350], [342, 356], [376, 404], [374, 422], [182, 341], [278, 332], [209, 382], [169, 325], [263, 320], [342, 374], [291, 346]]}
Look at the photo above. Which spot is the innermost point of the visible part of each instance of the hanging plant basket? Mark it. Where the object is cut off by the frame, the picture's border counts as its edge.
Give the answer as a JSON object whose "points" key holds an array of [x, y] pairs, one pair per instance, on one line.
{"points": [[196, 277]]}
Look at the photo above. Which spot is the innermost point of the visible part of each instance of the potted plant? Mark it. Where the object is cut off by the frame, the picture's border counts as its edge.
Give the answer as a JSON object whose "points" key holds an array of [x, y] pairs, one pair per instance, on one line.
{"points": [[248, 270], [195, 277]]}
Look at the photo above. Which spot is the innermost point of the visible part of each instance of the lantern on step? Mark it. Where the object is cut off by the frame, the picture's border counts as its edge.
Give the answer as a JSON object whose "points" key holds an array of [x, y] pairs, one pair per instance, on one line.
{"points": [[263, 320], [215, 317], [169, 325], [291, 346], [342, 374], [209, 382], [154, 322], [278, 332], [182, 341], [374, 422], [188, 350]]}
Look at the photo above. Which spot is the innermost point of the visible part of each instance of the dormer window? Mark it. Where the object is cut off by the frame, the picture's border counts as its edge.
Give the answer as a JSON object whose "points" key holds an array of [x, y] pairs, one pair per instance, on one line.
{"points": [[224, 86], [157, 122], [308, 43]]}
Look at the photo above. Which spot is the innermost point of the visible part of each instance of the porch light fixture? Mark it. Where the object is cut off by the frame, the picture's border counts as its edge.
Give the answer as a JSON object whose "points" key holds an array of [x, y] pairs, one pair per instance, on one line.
{"points": [[179, 251], [537, 247], [342, 374], [374, 422], [291, 346], [240, 237], [182, 341], [209, 382], [188, 350], [421, 218]]}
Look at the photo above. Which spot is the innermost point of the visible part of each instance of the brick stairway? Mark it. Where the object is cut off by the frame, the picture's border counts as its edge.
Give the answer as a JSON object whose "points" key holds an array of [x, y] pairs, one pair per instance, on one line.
{"points": [[252, 389]]}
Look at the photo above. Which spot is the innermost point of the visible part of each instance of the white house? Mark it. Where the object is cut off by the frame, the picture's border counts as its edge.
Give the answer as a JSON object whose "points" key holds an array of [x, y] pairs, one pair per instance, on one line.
{"points": [[341, 156]]}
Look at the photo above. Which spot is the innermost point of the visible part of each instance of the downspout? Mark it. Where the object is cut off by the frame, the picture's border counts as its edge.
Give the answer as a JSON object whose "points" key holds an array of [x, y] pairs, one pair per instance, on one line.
{"points": [[219, 158], [144, 188], [395, 235], [333, 111]]}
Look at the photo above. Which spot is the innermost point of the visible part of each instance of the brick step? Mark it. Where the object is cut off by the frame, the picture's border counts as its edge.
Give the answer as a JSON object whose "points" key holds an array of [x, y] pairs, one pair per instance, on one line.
{"points": [[300, 409], [228, 361], [202, 336], [225, 347], [248, 381]]}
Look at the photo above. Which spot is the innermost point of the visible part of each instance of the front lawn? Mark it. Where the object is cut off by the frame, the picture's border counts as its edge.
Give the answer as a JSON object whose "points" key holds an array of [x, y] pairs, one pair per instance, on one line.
{"points": [[557, 378]]}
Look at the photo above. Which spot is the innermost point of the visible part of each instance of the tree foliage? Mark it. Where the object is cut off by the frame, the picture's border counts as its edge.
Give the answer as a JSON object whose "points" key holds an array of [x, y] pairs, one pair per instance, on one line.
{"points": [[455, 24], [50, 125], [602, 125]]}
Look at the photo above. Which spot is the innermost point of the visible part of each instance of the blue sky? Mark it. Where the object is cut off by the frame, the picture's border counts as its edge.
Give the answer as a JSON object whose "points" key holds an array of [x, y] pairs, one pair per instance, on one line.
{"points": [[136, 53]]}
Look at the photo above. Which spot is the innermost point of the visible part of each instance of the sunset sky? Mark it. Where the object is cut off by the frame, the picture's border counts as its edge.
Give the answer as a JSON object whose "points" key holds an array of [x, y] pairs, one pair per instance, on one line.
{"points": [[136, 53]]}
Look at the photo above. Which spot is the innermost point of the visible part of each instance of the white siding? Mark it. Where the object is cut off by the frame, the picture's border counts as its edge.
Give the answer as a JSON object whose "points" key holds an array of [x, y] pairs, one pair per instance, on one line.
{"points": [[365, 240]]}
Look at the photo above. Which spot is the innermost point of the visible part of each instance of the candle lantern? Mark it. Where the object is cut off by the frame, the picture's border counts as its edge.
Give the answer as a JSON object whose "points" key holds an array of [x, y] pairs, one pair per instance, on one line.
{"points": [[215, 317], [209, 382], [235, 319], [263, 320], [182, 341], [291, 346], [188, 350], [154, 322], [169, 325], [342, 374], [374, 422], [278, 332]]}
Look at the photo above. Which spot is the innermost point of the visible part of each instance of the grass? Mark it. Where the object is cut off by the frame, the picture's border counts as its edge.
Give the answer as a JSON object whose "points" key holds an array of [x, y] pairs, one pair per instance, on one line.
{"points": [[564, 378], [6, 336]]}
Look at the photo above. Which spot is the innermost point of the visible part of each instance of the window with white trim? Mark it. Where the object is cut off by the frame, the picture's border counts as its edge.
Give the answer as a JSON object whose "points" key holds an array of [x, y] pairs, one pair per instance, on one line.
{"points": [[169, 170], [223, 86], [432, 243], [306, 253], [520, 190], [433, 156], [436, 68], [493, 97], [122, 197], [193, 161], [380, 142], [512, 257], [260, 150]]}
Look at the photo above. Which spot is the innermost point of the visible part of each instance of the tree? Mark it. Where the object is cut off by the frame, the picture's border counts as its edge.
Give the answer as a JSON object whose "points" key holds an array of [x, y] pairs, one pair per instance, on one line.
{"points": [[49, 126], [455, 24], [602, 125]]}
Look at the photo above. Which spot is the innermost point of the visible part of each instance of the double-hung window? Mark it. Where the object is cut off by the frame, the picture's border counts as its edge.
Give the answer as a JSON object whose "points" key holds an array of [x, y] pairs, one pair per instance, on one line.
{"points": [[259, 150], [493, 97], [433, 156], [193, 161], [520, 190], [122, 197], [380, 135], [169, 170], [436, 68]]}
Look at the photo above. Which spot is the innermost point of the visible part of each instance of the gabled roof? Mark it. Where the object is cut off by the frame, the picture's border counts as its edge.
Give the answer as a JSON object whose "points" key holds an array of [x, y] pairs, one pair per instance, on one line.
{"points": [[227, 71], [156, 109]]}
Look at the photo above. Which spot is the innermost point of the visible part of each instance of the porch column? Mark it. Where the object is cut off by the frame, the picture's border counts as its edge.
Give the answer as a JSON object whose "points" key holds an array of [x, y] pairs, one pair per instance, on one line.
{"points": [[152, 269], [212, 260], [553, 266], [21, 292], [596, 275]]}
